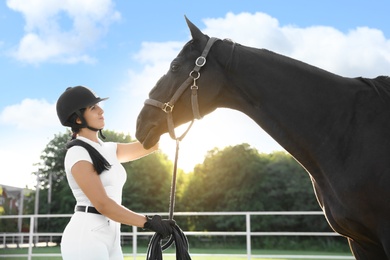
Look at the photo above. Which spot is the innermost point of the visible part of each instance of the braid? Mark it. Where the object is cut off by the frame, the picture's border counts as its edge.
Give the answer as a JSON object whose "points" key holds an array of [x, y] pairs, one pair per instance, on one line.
{"points": [[73, 118], [99, 162], [75, 131]]}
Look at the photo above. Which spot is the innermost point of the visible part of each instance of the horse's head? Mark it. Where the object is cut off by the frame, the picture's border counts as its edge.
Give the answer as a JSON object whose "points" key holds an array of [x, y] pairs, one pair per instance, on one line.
{"points": [[177, 84]]}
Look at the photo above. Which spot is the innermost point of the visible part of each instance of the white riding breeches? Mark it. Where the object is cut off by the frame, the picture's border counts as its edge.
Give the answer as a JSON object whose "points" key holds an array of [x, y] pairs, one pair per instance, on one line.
{"points": [[90, 236]]}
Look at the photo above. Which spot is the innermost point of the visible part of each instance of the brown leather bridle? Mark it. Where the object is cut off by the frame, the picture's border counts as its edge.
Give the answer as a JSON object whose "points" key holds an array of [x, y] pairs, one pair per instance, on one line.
{"points": [[192, 78]]}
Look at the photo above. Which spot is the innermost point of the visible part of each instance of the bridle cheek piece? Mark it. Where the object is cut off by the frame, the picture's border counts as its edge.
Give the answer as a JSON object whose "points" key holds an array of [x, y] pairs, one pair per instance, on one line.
{"points": [[193, 76]]}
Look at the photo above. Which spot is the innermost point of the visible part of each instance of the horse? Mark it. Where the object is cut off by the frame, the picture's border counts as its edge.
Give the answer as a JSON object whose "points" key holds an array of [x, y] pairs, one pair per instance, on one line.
{"points": [[337, 128]]}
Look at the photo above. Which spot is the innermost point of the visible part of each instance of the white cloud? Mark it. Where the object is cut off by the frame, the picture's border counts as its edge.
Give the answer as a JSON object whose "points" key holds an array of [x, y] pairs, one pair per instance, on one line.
{"points": [[19, 166], [154, 59], [46, 35], [257, 30], [152, 52], [33, 123], [30, 114], [362, 51]]}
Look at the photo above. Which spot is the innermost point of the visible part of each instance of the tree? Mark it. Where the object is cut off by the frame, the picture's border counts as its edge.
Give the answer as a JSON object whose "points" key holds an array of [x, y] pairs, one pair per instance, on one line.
{"points": [[287, 187], [240, 179], [224, 181], [147, 187]]}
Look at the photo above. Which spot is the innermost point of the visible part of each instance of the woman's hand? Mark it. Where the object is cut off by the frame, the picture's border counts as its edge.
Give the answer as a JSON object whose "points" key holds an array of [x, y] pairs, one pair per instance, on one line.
{"points": [[162, 226]]}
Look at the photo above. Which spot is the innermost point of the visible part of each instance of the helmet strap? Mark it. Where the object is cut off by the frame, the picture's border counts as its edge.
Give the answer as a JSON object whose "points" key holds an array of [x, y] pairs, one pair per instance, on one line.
{"points": [[101, 134], [97, 130]]}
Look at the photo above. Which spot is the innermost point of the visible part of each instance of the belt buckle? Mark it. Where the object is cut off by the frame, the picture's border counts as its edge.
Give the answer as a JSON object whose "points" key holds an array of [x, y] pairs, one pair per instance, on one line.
{"points": [[81, 208]]}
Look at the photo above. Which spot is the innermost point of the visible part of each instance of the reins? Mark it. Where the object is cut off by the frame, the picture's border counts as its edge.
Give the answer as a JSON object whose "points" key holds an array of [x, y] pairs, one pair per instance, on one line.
{"points": [[155, 250]]}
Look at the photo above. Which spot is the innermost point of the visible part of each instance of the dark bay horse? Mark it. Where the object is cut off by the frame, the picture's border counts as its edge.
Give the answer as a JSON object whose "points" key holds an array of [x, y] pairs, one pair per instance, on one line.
{"points": [[337, 128]]}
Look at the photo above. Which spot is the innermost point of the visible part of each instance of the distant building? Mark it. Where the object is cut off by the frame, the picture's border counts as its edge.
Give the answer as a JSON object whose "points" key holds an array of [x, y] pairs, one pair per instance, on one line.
{"points": [[11, 200]]}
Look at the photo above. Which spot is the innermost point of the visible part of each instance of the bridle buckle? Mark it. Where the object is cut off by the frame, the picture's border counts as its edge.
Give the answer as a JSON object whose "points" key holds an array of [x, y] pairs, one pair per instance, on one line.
{"points": [[200, 61], [168, 108]]}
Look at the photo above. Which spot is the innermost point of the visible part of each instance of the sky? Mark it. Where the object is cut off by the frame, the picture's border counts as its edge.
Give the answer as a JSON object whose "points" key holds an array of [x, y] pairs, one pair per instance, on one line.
{"points": [[121, 48]]}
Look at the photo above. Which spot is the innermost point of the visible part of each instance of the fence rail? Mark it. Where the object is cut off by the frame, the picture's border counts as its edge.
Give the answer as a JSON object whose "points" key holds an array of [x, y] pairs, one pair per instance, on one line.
{"points": [[31, 239]]}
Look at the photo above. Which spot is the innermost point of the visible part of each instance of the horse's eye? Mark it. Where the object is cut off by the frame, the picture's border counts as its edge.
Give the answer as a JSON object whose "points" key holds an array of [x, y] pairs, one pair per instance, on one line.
{"points": [[174, 67]]}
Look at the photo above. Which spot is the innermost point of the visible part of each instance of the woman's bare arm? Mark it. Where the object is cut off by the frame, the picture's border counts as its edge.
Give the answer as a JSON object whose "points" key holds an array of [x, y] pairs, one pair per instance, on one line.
{"points": [[132, 151], [90, 183]]}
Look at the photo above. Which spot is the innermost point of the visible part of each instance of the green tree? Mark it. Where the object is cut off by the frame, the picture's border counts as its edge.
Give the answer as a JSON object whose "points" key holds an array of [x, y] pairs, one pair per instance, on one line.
{"points": [[241, 179], [148, 184], [226, 181], [52, 163], [56, 191], [287, 187]]}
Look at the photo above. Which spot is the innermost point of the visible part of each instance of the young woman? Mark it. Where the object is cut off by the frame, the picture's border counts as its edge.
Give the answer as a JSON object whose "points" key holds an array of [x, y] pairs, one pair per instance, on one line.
{"points": [[96, 177]]}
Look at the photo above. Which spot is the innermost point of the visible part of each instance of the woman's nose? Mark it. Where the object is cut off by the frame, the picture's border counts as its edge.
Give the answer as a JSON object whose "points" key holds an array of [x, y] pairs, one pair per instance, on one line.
{"points": [[100, 111]]}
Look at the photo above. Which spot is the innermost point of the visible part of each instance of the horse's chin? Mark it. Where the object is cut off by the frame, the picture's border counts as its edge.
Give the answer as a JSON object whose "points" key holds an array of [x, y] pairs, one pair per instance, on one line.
{"points": [[149, 140]]}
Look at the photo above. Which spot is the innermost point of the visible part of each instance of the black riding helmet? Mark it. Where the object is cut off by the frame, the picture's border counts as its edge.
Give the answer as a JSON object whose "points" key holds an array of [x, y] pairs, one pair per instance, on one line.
{"points": [[72, 101]]}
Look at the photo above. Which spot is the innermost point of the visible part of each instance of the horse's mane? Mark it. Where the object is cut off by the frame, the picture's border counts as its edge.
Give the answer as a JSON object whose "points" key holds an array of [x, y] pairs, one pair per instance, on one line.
{"points": [[283, 59], [380, 84]]}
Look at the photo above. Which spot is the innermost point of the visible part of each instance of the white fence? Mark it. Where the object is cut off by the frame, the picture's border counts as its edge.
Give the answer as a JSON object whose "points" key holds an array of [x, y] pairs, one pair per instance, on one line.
{"points": [[33, 238]]}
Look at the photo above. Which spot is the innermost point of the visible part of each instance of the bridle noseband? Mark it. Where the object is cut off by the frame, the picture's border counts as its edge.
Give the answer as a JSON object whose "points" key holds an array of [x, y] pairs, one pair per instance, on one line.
{"points": [[193, 76]]}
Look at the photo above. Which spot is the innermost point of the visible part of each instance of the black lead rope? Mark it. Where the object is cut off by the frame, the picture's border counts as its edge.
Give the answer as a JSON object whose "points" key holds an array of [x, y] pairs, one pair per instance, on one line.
{"points": [[155, 247]]}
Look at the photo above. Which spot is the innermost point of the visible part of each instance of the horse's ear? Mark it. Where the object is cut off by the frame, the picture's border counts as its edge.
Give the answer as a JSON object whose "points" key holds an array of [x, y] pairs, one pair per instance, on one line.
{"points": [[195, 32]]}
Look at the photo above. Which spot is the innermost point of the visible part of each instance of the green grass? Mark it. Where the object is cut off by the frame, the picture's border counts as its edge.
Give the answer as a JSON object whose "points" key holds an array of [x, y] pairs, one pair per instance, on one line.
{"points": [[170, 253]]}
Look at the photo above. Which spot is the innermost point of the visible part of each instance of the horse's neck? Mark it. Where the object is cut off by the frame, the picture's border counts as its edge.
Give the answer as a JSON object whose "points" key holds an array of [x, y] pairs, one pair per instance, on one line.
{"points": [[297, 104]]}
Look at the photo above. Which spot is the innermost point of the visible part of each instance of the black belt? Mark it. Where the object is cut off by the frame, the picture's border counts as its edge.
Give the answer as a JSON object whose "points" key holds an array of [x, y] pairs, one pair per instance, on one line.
{"points": [[88, 209]]}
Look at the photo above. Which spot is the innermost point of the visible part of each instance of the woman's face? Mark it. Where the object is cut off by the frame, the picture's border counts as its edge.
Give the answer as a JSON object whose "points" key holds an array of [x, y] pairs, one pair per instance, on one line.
{"points": [[94, 116]]}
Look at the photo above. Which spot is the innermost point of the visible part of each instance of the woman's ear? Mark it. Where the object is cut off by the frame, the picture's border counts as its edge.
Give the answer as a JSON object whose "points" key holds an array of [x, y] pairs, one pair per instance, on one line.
{"points": [[78, 120]]}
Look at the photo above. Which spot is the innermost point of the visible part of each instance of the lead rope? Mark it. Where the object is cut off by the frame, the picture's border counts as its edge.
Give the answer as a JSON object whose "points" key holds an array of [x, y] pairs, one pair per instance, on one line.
{"points": [[173, 185], [155, 248]]}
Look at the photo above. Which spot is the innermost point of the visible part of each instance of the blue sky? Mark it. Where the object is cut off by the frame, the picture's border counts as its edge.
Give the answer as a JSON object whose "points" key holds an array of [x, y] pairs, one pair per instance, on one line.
{"points": [[121, 48]]}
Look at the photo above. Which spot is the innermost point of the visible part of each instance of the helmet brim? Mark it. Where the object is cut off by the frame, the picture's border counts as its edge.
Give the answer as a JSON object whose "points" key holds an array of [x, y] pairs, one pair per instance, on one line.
{"points": [[97, 100]]}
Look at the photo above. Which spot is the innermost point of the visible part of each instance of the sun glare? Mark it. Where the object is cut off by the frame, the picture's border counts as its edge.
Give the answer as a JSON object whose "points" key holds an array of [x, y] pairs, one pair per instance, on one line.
{"points": [[220, 129]]}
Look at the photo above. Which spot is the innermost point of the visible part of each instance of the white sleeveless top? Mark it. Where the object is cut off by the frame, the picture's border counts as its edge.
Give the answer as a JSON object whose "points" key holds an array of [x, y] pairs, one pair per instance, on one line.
{"points": [[112, 179]]}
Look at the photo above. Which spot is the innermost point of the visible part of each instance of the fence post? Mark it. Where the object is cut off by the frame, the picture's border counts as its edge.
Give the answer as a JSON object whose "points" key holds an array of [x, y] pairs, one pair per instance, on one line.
{"points": [[248, 235], [30, 238], [135, 242]]}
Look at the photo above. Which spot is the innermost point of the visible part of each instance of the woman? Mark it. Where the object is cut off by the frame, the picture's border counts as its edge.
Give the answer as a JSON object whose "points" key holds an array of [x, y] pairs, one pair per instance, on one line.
{"points": [[96, 177]]}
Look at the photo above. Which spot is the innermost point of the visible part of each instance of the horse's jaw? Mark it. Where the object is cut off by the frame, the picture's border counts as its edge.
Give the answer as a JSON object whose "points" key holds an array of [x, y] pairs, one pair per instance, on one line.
{"points": [[147, 133], [148, 139]]}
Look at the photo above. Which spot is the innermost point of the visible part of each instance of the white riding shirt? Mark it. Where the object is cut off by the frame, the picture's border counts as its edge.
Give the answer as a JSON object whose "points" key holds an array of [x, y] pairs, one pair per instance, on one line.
{"points": [[112, 179]]}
